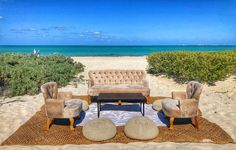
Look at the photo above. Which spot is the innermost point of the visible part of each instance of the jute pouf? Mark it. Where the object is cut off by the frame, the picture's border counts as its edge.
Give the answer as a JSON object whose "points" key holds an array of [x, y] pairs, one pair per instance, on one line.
{"points": [[141, 128], [85, 105], [99, 129], [156, 105]]}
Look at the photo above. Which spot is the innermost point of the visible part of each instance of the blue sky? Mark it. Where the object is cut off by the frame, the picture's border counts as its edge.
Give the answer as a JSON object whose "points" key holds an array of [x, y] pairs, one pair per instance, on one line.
{"points": [[117, 22]]}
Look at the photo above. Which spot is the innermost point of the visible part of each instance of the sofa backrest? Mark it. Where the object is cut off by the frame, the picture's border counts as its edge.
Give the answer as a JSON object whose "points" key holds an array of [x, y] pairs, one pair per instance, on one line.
{"points": [[108, 77]]}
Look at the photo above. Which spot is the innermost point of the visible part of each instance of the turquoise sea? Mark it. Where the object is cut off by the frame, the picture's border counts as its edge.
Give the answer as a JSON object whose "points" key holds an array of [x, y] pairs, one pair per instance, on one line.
{"points": [[110, 50]]}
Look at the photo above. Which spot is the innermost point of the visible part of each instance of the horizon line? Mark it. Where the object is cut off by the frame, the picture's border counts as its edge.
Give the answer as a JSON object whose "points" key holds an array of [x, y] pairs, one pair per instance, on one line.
{"points": [[118, 45]]}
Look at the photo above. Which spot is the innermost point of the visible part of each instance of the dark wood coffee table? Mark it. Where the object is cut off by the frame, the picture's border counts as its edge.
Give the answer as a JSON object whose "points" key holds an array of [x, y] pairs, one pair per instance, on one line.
{"points": [[120, 98]]}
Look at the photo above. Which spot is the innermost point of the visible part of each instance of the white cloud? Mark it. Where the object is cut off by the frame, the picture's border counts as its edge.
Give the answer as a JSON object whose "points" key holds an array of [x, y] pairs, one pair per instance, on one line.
{"points": [[60, 28], [42, 29], [91, 34], [30, 29], [96, 33], [21, 30]]}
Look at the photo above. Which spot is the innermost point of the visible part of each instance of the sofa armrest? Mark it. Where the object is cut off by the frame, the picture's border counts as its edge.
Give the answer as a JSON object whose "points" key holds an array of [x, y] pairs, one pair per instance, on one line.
{"points": [[54, 107], [90, 83], [188, 107], [178, 95], [64, 95], [145, 83]]}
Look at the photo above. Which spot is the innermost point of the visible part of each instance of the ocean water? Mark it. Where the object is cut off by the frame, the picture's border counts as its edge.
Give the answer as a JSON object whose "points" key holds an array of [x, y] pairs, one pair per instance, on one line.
{"points": [[110, 50]]}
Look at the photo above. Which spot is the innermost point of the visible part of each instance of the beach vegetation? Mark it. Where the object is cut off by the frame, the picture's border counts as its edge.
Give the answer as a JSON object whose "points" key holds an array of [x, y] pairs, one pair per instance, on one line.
{"points": [[184, 66], [24, 74]]}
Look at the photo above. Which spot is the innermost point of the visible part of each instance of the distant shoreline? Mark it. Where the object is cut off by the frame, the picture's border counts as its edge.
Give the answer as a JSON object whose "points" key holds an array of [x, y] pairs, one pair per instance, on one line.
{"points": [[84, 56], [110, 51], [110, 56], [128, 45]]}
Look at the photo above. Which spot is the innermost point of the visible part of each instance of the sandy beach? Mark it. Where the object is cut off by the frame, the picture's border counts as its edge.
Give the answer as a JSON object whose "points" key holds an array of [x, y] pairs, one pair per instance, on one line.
{"points": [[217, 104]]}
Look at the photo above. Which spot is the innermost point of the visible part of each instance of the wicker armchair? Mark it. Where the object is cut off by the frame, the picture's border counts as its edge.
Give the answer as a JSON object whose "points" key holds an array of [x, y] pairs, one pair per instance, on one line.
{"points": [[59, 104], [183, 104]]}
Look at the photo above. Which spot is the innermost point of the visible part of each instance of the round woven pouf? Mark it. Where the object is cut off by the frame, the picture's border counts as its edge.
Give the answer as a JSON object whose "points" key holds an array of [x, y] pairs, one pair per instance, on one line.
{"points": [[156, 105], [99, 129], [141, 128]]}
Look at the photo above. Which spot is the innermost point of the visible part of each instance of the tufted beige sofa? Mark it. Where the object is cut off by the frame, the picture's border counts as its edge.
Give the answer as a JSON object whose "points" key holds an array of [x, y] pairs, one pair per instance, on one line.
{"points": [[118, 81]]}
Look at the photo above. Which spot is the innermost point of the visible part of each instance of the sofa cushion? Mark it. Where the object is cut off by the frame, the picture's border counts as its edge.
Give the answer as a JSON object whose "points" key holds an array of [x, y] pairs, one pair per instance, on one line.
{"points": [[120, 88]]}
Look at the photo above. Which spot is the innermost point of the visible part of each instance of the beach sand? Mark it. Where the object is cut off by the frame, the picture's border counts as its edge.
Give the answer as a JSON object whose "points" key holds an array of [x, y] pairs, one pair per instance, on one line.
{"points": [[217, 104]]}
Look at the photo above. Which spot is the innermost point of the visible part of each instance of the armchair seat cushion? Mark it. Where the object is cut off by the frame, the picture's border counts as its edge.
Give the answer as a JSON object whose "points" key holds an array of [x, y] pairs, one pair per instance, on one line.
{"points": [[72, 109], [119, 88], [171, 108]]}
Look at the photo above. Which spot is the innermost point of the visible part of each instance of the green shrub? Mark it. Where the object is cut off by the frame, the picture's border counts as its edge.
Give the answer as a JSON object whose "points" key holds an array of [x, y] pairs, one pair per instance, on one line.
{"points": [[24, 74], [205, 67]]}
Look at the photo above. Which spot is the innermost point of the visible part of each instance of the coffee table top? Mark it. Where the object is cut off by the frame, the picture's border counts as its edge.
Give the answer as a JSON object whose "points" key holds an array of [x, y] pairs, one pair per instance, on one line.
{"points": [[121, 96]]}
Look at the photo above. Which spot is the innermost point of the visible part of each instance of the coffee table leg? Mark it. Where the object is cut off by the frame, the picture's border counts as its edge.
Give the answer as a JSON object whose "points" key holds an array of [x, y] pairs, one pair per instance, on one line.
{"points": [[98, 108], [140, 107], [143, 109]]}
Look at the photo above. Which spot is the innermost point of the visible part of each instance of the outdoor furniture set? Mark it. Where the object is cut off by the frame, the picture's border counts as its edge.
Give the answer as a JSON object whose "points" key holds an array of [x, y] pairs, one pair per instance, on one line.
{"points": [[119, 86]]}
